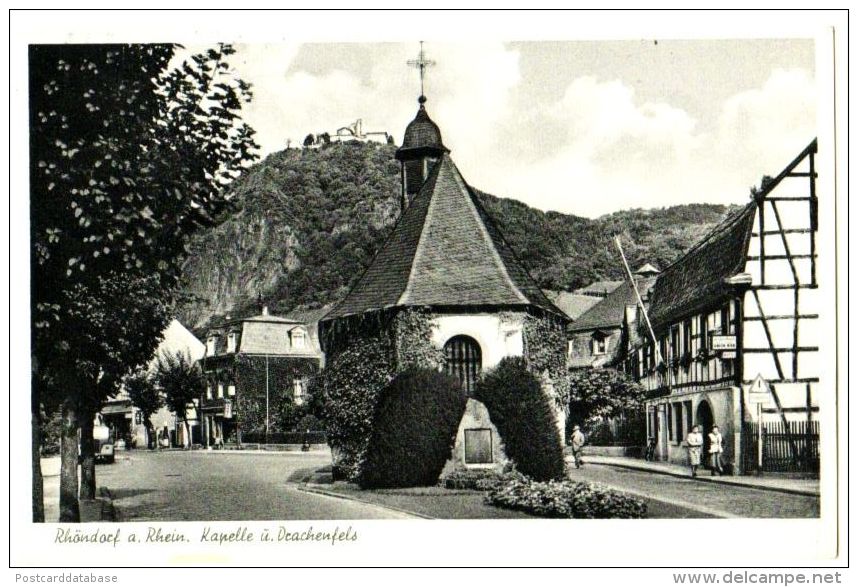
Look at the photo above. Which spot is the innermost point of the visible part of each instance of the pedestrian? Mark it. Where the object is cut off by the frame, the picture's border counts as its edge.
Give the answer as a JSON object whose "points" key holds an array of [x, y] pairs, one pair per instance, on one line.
{"points": [[715, 449], [694, 442], [577, 442]]}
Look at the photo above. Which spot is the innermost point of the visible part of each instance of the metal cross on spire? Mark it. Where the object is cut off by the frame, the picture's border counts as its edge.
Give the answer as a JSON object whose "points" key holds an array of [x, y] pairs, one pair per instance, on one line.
{"points": [[421, 63]]}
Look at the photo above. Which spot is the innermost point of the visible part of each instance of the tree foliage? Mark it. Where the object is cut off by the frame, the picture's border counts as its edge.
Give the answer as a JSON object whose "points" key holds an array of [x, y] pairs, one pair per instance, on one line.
{"points": [[128, 157], [180, 379], [601, 393], [144, 396]]}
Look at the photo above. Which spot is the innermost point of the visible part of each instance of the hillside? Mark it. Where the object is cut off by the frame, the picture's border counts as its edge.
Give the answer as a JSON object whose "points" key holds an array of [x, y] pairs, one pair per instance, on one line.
{"points": [[306, 223]]}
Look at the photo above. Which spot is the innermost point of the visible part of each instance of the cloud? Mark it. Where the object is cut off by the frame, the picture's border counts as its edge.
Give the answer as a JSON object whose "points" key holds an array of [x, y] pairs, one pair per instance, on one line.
{"points": [[616, 153], [593, 149]]}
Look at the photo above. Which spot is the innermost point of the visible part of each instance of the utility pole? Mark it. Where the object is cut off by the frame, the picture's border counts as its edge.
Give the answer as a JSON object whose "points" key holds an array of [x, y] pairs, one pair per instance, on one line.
{"points": [[266, 400]]}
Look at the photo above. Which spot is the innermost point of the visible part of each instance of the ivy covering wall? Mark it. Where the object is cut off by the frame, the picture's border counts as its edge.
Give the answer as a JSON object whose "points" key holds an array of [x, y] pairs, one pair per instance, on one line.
{"points": [[545, 354], [364, 361], [250, 382]]}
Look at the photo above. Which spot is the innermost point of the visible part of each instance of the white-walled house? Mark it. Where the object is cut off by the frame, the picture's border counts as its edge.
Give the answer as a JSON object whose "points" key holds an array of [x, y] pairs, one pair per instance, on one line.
{"points": [[125, 418]]}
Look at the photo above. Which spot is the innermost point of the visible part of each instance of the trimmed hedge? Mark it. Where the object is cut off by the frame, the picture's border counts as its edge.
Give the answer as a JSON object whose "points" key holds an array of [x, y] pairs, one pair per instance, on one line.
{"points": [[565, 499], [414, 430], [524, 416]]}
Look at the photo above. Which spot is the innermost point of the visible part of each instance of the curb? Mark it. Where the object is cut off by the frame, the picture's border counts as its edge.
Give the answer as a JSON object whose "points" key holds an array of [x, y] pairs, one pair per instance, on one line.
{"points": [[791, 491], [318, 490]]}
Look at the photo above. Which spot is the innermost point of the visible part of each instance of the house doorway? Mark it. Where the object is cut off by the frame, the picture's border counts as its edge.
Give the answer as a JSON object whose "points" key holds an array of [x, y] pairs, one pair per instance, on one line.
{"points": [[463, 359], [705, 420]]}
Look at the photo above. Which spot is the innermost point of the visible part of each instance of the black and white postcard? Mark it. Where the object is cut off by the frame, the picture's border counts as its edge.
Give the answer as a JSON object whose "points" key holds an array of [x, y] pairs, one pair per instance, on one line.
{"points": [[336, 288]]}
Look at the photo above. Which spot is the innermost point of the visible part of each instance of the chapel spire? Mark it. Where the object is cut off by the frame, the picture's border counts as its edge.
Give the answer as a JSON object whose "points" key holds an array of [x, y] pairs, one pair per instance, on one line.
{"points": [[421, 146]]}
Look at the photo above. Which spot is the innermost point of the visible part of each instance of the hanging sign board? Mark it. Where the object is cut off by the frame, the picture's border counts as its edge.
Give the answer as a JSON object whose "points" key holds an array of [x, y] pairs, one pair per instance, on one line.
{"points": [[227, 408], [723, 342]]}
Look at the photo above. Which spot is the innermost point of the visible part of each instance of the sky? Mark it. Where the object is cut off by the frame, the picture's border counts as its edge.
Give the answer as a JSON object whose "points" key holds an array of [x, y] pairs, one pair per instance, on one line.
{"points": [[581, 127]]}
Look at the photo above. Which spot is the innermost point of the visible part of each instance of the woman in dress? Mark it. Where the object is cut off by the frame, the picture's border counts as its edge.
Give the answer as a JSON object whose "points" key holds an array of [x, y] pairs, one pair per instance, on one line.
{"points": [[715, 449], [694, 442]]}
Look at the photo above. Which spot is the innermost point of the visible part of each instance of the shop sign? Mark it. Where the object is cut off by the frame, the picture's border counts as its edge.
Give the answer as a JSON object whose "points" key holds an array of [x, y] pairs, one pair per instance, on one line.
{"points": [[723, 342]]}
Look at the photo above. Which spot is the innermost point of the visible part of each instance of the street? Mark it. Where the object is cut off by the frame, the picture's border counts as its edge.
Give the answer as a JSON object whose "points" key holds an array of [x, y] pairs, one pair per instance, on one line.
{"points": [[670, 497], [225, 485], [209, 485]]}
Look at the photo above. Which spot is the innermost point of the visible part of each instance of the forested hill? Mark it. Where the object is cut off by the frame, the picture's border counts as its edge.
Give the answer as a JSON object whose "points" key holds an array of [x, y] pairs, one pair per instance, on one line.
{"points": [[307, 222]]}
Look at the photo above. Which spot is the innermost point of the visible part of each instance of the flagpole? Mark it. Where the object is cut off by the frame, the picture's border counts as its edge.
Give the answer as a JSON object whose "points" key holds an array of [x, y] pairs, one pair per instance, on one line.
{"points": [[646, 316]]}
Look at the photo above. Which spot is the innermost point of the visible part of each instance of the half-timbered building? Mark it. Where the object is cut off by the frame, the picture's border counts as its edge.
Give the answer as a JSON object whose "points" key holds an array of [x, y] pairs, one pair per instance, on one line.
{"points": [[737, 311]]}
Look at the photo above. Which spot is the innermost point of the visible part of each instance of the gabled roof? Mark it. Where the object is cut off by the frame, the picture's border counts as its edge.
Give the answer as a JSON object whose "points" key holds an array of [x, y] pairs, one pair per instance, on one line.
{"points": [[572, 304], [445, 251], [696, 279], [610, 310]]}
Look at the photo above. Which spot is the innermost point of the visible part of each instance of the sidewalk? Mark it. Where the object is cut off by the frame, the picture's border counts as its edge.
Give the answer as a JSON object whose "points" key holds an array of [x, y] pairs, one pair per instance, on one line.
{"points": [[784, 485]]}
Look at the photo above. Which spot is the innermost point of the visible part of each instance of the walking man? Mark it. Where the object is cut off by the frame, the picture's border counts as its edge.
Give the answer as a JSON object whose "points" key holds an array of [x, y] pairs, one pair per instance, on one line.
{"points": [[577, 441], [715, 449]]}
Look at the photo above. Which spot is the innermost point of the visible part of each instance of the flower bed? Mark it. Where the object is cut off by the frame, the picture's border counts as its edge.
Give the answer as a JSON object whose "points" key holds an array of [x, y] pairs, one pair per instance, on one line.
{"points": [[565, 499]]}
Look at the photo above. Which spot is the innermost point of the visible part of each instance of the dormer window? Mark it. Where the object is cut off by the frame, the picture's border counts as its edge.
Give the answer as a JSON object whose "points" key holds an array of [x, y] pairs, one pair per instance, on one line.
{"points": [[211, 345], [231, 342], [298, 338], [600, 343]]}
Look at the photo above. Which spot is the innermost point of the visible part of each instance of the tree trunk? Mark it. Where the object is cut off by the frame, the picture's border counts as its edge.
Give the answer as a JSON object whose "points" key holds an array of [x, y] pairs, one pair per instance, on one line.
{"points": [[87, 455], [36, 439], [187, 442], [150, 431], [69, 507]]}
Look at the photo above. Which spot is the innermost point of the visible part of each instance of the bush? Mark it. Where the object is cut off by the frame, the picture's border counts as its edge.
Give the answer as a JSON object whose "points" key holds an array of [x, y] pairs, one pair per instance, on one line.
{"points": [[524, 416], [414, 430], [565, 499], [469, 478], [478, 479]]}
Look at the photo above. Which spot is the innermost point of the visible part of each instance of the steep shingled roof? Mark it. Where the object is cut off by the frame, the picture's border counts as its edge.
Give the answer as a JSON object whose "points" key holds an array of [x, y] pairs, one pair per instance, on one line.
{"points": [[610, 310], [444, 251], [696, 279]]}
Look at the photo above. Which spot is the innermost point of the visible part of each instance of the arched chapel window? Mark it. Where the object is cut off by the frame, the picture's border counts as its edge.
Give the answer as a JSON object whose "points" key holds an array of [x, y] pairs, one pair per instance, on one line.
{"points": [[464, 360]]}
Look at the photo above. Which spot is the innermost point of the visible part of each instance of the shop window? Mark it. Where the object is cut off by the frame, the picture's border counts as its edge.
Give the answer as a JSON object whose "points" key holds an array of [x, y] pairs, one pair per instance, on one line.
{"points": [[677, 413]]}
